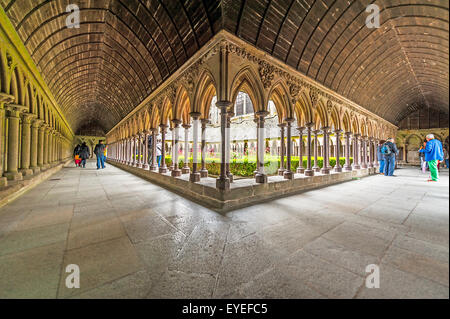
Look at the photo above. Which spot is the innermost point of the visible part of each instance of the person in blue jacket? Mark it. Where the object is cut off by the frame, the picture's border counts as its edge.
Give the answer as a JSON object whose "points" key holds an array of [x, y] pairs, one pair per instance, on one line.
{"points": [[433, 154], [389, 151], [380, 156]]}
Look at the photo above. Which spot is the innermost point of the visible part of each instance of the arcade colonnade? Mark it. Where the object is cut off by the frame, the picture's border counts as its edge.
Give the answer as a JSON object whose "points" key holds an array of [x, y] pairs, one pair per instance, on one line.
{"points": [[223, 68], [34, 135]]}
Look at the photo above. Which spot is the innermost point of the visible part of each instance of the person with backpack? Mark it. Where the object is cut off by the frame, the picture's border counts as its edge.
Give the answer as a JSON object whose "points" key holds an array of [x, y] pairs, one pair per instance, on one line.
{"points": [[84, 154], [390, 151], [380, 157], [76, 155], [99, 151], [433, 154]]}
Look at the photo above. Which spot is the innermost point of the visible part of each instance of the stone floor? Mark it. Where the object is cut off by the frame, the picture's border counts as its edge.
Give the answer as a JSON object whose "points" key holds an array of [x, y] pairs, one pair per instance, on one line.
{"points": [[133, 239]]}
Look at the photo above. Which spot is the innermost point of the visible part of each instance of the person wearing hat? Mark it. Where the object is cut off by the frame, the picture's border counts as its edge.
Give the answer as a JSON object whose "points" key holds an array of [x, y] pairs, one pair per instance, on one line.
{"points": [[433, 154]]}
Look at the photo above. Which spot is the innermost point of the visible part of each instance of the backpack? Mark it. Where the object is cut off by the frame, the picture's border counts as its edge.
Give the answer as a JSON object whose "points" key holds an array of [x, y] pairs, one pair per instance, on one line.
{"points": [[386, 149]]}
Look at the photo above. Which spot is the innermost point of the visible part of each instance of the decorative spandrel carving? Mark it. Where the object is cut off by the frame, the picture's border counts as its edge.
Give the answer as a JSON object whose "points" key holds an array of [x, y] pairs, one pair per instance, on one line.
{"points": [[266, 72], [314, 95]]}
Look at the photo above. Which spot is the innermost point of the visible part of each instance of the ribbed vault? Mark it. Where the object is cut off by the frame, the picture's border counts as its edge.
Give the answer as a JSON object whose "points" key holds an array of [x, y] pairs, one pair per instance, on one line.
{"points": [[124, 49]]}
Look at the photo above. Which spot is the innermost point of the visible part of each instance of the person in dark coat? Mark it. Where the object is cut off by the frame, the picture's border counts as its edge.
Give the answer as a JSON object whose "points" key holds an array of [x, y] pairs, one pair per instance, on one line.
{"points": [[84, 153], [390, 151], [380, 156], [76, 155], [99, 151]]}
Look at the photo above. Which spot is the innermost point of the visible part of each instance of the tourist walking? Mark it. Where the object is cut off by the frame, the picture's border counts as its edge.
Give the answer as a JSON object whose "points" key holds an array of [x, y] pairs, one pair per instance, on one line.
{"points": [[99, 151], [76, 155], [380, 157], [446, 156], [423, 163], [158, 151], [433, 154], [389, 151], [84, 154]]}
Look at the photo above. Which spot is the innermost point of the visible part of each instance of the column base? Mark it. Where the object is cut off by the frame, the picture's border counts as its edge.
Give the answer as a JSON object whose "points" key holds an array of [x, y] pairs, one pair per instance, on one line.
{"points": [[230, 177], [26, 171], [338, 169], [370, 165], [348, 168], [288, 174], [300, 170], [203, 173], [145, 166], [3, 182], [36, 169], [364, 166], [316, 169], [153, 167], [261, 178], [281, 171], [163, 169], [175, 172], [186, 170], [309, 172], [223, 184], [356, 167], [139, 165], [325, 171], [13, 176], [194, 177]]}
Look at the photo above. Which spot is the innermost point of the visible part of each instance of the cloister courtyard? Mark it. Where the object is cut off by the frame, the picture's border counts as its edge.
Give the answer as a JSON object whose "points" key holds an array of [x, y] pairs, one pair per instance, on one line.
{"points": [[253, 149]]}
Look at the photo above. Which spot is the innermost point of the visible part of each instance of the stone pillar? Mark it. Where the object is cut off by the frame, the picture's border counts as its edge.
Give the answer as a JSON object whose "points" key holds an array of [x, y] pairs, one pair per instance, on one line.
{"points": [[228, 145], [26, 144], [309, 171], [130, 150], [356, 151], [176, 138], [172, 142], [405, 153], [194, 176], [300, 168], [154, 165], [41, 142], [163, 167], [186, 169], [204, 170], [146, 166], [223, 182], [51, 135], [375, 152], [288, 174], [14, 111], [347, 166], [261, 177], [326, 151], [257, 139], [364, 152], [138, 150], [316, 167], [35, 146], [370, 152], [4, 98], [337, 167], [282, 151]]}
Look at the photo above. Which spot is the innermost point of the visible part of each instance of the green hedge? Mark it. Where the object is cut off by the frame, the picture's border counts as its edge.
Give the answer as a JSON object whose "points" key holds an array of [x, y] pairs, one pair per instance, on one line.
{"points": [[245, 168]]}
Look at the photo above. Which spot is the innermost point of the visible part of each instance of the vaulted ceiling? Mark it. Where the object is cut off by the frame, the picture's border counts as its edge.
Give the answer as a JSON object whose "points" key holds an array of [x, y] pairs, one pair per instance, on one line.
{"points": [[124, 49]]}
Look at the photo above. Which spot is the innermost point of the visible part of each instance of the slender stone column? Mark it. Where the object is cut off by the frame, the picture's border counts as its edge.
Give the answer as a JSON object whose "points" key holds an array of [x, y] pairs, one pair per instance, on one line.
{"points": [[154, 166], [300, 168], [257, 139], [135, 145], [163, 167], [51, 135], [347, 167], [195, 175], [228, 145], [26, 144], [281, 169], [176, 137], [4, 98], [41, 142], [375, 152], [261, 176], [14, 111], [170, 167], [223, 182], [130, 151], [288, 174], [364, 151], [316, 167], [186, 169], [326, 151], [204, 170], [309, 171], [46, 145], [370, 152], [356, 150], [337, 167], [146, 134], [35, 146]]}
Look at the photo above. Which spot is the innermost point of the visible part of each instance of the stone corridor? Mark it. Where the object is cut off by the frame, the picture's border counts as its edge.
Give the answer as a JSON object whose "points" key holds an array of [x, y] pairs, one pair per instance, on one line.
{"points": [[133, 239]]}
